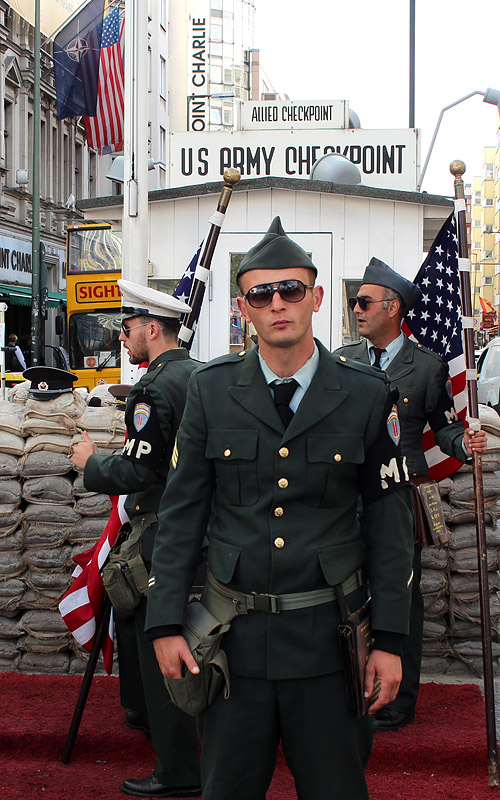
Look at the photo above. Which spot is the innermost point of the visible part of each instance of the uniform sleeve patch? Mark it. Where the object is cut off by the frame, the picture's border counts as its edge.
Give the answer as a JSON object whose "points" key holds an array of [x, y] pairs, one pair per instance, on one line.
{"points": [[449, 388], [142, 412], [393, 425]]}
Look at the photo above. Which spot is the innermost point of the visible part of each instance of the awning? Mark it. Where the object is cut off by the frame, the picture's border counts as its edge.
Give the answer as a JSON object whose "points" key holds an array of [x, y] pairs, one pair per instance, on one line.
{"points": [[21, 295]]}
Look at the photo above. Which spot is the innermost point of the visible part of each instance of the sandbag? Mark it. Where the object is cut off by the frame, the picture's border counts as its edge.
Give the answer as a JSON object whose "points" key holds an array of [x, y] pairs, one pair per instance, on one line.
{"points": [[42, 462], [48, 489]]}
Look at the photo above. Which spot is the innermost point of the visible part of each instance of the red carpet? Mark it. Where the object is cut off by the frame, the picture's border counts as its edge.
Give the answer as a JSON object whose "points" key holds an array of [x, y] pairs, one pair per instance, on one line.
{"points": [[441, 756]]}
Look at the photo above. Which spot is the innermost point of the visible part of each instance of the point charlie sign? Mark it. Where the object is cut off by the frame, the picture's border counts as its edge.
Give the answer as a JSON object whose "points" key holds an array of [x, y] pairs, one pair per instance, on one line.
{"points": [[386, 158]]}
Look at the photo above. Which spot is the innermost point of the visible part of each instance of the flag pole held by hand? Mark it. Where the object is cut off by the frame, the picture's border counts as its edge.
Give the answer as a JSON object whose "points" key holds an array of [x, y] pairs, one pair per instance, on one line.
{"points": [[231, 178], [457, 168]]}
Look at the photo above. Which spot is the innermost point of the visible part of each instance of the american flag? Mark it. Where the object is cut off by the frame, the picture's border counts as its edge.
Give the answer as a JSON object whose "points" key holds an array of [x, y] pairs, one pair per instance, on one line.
{"points": [[82, 606], [105, 130], [183, 289], [436, 322]]}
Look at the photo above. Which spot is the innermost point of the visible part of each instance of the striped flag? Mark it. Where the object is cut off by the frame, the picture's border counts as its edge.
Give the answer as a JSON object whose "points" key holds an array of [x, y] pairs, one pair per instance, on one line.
{"points": [[82, 605], [104, 131], [436, 322]]}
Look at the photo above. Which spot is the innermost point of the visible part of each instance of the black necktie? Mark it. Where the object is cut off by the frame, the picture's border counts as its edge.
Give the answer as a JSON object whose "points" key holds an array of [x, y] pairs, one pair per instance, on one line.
{"points": [[283, 393], [378, 353]]}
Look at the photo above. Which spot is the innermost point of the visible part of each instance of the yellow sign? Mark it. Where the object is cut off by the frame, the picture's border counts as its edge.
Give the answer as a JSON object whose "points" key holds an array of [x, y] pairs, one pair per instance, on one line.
{"points": [[53, 13], [97, 292]]}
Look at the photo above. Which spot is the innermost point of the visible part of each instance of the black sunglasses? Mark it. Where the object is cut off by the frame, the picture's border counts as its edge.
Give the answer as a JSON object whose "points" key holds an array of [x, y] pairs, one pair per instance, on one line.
{"points": [[292, 291], [363, 302]]}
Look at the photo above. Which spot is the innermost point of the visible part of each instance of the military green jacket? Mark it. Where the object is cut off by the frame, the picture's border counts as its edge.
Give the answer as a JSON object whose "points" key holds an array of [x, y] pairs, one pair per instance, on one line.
{"points": [[284, 508], [422, 378], [152, 415]]}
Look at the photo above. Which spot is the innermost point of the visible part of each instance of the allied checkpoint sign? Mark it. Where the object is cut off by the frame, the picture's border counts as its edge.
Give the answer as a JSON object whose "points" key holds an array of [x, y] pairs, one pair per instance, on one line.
{"points": [[386, 158]]}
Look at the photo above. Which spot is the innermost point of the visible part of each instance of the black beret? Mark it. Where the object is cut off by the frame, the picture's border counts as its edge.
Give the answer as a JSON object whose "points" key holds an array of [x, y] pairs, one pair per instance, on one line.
{"points": [[275, 251], [381, 274]]}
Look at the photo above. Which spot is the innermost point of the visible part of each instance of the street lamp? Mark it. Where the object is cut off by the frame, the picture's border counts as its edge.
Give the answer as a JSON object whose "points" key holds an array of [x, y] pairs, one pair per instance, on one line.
{"points": [[491, 96]]}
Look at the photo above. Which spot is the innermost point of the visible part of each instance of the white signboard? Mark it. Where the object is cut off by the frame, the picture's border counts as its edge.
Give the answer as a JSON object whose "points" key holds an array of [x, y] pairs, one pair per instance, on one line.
{"points": [[386, 158], [269, 115], [15, 261], [197, 67]]}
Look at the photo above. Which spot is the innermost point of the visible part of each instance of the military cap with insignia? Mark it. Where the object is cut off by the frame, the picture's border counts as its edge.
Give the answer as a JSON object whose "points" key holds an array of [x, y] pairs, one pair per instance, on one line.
{"points": [[48, 382], [275, 251], [381, 274], [141, 301]]}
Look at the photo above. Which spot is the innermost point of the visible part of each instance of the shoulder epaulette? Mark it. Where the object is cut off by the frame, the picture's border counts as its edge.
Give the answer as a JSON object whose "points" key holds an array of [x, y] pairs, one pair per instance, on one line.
{"points": [[225, 359], [350, 363], [423, 349]]}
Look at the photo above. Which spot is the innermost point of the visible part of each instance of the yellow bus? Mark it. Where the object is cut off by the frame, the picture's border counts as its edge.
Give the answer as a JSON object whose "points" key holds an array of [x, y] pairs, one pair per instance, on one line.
{"points": [[93, 266]]}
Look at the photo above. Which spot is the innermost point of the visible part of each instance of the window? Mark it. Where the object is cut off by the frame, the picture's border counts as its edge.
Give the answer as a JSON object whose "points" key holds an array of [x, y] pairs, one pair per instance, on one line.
{"points": [[215, 74], [488, 201], [163, 77], [163, 145], [350, 330], [216, 32], [228, 116], [487, 281]]}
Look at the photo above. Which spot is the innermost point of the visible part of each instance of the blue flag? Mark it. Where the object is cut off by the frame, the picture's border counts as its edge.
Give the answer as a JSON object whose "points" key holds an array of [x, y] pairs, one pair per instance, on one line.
{"points": [[77, 50]]}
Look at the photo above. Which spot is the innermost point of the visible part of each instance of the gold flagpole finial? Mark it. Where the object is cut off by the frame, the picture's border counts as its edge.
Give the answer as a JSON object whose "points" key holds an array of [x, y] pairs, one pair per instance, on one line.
{"points": [[457, 168]]}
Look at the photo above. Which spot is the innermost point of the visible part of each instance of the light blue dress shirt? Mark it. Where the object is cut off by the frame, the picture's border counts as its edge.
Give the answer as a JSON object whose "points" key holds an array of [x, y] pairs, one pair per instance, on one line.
{"points": [[303, 376]]}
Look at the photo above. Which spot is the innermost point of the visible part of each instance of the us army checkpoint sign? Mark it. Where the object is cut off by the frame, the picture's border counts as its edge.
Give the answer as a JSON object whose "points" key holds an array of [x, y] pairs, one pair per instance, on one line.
{"points": [[386, 158]]}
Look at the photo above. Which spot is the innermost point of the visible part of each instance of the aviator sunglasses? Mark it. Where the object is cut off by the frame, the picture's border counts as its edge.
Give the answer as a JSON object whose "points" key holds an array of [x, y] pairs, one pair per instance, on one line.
{"points": [[291, 290], [363, 302], [127, 328]]}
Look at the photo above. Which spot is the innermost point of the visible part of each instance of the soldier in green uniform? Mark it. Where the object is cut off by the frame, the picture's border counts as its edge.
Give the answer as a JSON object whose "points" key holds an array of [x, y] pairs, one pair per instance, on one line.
{"points": [[422, 378], [280, 480], [153, 413]]}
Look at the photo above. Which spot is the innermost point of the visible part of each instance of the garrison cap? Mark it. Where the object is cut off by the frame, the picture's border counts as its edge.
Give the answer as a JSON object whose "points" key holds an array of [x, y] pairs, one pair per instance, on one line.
{"points": [[139, 301], [381, 274], [275, 251], [49, 382]]}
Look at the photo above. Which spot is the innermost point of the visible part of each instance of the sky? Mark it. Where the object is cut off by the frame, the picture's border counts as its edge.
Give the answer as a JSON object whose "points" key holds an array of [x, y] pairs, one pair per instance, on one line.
{"points": [[358, 50]]}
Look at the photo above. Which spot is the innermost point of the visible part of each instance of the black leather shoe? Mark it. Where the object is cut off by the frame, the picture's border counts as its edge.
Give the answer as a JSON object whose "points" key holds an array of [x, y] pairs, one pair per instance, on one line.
{"points": [[137, 721], [150, 787], [387, 719]]}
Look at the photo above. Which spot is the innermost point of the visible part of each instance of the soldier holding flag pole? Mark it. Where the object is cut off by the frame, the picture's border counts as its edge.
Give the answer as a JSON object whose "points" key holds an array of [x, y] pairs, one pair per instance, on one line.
{"points": [[457, 168]]}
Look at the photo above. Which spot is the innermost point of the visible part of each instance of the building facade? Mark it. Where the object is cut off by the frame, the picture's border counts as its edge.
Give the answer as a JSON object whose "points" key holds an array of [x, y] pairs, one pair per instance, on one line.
{"points": [[485, 245]]}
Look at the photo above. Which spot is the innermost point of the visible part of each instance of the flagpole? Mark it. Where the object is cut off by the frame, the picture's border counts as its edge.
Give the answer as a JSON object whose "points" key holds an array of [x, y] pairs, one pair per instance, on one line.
{"points": [[231, 178], [457, 168]]}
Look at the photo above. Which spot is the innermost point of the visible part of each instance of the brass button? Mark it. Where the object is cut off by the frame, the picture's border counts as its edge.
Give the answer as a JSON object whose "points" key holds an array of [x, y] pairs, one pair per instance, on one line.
{"points": [[343, 358], [241, 353], [405, 400], [158, 366], [137, 508], [227, 452], [278, 512], [284, 452], [279, 542], [282, 483], [337, 457]]}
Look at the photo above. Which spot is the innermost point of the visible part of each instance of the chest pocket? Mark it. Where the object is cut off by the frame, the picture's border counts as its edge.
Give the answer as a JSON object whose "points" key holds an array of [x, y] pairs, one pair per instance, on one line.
{"points": [[332, 461], [411, 401], [234, 453]]}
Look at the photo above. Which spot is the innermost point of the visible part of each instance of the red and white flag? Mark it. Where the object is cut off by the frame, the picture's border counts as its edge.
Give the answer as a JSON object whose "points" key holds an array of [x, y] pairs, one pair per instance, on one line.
{"points": [[82, 606], [436, 322], [104, 131]]}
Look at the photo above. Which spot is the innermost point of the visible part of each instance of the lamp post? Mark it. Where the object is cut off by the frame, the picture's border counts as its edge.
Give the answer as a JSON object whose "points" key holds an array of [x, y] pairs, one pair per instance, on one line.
{"points": [[491, 96]]}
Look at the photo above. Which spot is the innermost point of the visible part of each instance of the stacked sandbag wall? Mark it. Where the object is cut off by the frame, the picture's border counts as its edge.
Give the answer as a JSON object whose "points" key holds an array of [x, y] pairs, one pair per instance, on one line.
{"points": [[450, 586], [46, 517]]}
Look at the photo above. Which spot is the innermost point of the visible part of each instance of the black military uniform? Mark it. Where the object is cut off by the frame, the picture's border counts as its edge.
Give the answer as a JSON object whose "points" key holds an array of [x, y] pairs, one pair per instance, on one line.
{"points": [[153, 413], [284, 522], [422, 379]]}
